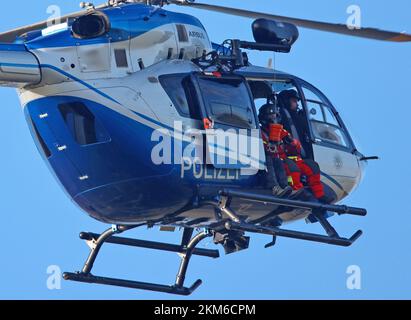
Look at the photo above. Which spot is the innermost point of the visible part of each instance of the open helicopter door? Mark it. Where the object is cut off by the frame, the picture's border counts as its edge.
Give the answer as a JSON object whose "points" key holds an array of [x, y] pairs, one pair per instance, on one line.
{"points": [[233, 138]]}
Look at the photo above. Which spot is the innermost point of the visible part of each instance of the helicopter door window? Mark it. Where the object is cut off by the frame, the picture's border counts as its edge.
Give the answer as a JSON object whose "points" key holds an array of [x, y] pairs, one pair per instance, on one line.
{"points": [[181, 92], [228, 101], [82, 124], [182, 33], [324, 123], [120, 56], [41, 141]]}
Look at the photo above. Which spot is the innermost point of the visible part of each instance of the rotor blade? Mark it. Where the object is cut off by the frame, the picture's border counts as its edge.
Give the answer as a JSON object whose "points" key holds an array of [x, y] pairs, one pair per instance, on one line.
{"points": [[369, 33], [10, 36]]}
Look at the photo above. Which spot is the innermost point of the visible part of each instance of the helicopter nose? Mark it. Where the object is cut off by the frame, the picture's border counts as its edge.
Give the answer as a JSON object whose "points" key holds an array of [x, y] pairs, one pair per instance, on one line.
{"points": [[18, 67]]}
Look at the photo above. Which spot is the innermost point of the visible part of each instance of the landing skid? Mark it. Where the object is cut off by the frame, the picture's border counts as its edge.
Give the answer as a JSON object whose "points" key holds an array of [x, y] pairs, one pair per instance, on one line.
{"points": [[228, 230], [186, 249], [332, 237]]}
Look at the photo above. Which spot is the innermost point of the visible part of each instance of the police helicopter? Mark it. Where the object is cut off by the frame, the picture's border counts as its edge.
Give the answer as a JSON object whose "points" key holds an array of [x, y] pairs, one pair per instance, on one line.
{"points": [[115, 95]]}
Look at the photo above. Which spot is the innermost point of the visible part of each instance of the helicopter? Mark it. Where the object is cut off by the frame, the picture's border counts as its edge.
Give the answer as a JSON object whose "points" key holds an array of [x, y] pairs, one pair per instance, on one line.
{"points": [[126, 102]]}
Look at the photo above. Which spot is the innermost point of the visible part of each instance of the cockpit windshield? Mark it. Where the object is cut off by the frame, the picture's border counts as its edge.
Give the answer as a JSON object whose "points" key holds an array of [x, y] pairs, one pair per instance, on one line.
{"points": [[316, 118], [280, 85], [324, 123]]}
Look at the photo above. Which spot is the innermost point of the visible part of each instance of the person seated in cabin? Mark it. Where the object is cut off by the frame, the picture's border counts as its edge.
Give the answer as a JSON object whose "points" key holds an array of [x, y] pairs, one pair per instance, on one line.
{"points": [[293, 118], [291, 150], [276, 176]]}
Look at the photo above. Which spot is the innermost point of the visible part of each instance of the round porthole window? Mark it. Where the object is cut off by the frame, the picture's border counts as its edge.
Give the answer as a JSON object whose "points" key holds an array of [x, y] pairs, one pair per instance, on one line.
{"points": [[90, 26]]}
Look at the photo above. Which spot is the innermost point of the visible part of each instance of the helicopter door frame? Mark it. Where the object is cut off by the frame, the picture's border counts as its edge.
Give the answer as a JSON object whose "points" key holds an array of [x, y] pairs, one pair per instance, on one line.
{"points": [[210, 122]]}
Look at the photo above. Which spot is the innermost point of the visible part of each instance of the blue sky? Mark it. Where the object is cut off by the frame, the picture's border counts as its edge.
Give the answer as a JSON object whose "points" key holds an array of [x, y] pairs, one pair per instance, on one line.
{"points": [[368, 83]]}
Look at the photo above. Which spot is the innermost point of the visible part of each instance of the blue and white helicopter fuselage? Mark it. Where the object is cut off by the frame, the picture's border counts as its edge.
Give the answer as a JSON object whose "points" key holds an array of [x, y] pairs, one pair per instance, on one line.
{"points": [[145, 122], [115, 77]]}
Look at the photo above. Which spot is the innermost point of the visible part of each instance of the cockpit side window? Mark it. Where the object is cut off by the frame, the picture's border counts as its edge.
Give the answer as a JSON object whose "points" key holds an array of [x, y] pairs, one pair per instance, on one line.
{"points": [[324, 122]]}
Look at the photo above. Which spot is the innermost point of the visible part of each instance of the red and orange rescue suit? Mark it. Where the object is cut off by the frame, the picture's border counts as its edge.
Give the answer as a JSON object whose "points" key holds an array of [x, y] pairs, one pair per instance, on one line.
{"points": [[289, 150]]}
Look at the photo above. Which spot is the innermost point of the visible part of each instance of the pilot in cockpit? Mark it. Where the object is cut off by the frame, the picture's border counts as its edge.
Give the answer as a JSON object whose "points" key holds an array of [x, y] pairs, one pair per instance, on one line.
{"points": [[293, 118]]}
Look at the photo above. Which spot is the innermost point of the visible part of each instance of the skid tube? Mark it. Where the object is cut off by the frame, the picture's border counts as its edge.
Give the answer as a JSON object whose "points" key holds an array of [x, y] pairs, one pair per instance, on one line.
{"points": [[186, 250], [236, 224]]}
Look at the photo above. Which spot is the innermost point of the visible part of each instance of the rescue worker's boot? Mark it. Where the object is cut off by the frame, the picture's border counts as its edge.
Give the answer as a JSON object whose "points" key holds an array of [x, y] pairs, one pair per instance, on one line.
{"points": [[282, 192]]}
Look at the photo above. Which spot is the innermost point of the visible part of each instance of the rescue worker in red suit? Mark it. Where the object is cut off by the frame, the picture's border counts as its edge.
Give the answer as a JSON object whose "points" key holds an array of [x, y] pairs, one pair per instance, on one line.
{"points": [[291, 151], [271, 131]]}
